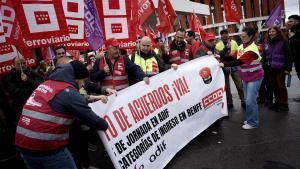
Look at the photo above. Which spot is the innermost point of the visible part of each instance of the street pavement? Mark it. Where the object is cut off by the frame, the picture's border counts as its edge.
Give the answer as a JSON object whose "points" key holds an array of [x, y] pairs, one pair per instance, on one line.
{"points": [[225, 145]]}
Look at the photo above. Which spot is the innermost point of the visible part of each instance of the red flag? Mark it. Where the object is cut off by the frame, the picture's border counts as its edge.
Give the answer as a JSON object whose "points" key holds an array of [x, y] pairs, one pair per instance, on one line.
{"points": [[117, 18], [42, 22], [75, 54], [13, 45], [74, 12], [151, 34], [166, 16], [140, 31], [231, 12], [145, 9], [196, 25]]}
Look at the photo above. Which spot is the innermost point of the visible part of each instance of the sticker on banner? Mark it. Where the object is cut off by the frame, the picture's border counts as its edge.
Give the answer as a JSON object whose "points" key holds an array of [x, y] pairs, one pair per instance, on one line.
{"points": [[40, 17]]}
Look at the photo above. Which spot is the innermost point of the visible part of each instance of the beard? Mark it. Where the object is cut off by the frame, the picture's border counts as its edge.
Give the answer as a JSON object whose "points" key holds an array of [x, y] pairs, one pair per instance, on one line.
{"points": [[180, 45]]}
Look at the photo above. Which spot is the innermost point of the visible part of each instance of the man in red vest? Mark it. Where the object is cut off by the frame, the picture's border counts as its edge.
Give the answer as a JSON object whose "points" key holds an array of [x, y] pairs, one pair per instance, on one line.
{"points": [[43, 129], [113, 69], [207, 47], [179, 50]]}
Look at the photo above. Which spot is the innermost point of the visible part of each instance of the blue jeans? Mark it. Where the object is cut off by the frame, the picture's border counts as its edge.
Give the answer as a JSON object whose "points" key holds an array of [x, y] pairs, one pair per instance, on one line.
{"points": [[59, 160], [251, 90]]}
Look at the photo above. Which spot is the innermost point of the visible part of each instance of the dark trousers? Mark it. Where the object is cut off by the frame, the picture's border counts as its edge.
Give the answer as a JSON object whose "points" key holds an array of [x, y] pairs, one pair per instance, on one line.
{"points": [[78, 145], [277, 79], [297, 67], [238, 84], [266, 88]]}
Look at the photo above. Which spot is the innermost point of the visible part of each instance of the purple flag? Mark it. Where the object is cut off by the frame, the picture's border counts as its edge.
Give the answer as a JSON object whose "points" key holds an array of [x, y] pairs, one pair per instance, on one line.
{"points": [[93, 30], [51, 54], [275, 17]]}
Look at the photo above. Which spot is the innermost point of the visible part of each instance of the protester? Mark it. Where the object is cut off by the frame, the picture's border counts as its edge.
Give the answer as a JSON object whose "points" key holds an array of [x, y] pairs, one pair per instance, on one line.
{"points": [[294, 37], [191, 40], [279, 64], [207, 47], [43, 128], [225, 47], [251, 73], [19, 84], [61, 55], [113, 69], [147, 59], [179, 50]]}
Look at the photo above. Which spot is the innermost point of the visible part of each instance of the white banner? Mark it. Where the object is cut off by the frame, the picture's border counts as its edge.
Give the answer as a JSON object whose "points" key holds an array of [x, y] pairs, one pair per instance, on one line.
{"points": [[149, 124]]}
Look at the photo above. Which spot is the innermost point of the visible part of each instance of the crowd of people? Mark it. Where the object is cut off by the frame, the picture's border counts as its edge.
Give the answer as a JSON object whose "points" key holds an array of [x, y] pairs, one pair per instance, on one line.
{"points": [[45, 110]]}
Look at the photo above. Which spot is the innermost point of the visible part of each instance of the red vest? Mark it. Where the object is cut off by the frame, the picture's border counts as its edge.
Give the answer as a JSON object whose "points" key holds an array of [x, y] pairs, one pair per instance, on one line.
{"points": [[180, 57], [118, 79], [39, 127], [204, 48]]}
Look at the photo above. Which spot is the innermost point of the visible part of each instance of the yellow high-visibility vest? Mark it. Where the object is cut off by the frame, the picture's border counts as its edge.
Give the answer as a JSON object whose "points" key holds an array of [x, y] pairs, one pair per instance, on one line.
{"points": [[149, 66], [220, 46]]}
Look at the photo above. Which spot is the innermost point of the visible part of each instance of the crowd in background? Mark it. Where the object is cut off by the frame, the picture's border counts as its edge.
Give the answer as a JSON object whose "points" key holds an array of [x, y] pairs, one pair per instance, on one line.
{"points": [[258, 67]]}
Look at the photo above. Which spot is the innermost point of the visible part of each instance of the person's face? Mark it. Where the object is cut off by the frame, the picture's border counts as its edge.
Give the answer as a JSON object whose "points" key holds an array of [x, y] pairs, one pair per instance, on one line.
{"points": [[167, 48], [272, 33], [20, 64], [179, 37], [80, 82], [210, 43], [189, 39], [92, 59], [225, 37], [60, 53], [245, 38], [145, 46], [292, 23], [113, 51]]}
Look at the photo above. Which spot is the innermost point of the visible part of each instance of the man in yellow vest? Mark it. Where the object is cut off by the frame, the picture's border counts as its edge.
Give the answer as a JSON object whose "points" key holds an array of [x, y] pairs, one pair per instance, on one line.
{"points": [[225, 47], [147, 59]]}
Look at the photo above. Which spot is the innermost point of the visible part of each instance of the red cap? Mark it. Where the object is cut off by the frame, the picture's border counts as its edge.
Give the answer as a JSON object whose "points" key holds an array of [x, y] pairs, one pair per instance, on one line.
{"points": [[112, 42], [210, 36]]}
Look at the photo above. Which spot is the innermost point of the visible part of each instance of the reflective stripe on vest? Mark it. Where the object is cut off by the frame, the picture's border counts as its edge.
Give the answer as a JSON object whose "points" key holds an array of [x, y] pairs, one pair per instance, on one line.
{"points": [[116, 78], [41, 136], [47, 117], [255, 65], [252, 69]]}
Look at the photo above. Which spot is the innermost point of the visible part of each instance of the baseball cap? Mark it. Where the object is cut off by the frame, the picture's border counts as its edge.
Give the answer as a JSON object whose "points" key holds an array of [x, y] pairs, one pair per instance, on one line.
{"points": [[210, 36], [112, 42]]}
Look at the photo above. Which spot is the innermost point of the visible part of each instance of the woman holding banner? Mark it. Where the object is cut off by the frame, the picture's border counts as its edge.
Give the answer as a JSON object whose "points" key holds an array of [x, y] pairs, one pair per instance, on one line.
{"points": [[251, 73]]}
